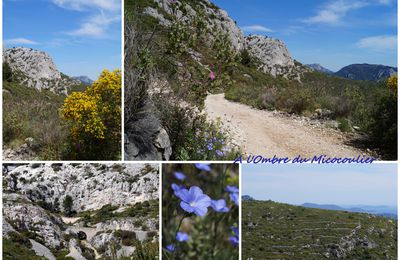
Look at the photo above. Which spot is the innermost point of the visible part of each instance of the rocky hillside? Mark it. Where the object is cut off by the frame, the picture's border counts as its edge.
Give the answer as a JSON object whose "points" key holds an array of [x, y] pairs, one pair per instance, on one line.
{"points": [[319, 67], [83, 211], [216, 19], [274, 57], [366, 72], [84, 79], [179, 44], [282, 231], [36, 69]]}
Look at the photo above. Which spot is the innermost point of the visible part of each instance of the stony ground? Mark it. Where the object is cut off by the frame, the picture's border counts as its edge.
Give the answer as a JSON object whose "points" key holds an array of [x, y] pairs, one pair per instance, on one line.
{"points": [[270, 133], [273, 230]]}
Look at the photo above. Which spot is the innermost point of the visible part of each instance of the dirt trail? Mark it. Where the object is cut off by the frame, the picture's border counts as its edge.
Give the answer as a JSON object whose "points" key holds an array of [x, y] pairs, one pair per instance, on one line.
{"points": [[261, 132]]}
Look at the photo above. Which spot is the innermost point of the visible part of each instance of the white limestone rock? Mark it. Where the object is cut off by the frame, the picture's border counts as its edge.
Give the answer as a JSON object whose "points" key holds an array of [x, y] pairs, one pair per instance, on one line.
{"points": [[36, 69], [90, 186]]}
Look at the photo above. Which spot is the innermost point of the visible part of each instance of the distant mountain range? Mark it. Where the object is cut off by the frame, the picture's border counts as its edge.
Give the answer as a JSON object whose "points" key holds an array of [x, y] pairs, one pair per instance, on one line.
{"points": [[372, 72], [366, 72], [384, 211], [84, 79], [320, 68]]}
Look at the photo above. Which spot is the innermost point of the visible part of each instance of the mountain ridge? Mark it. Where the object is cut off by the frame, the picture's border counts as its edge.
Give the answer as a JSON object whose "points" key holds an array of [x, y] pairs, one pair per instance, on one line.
{"points": [[36, 69], [365, 71]]}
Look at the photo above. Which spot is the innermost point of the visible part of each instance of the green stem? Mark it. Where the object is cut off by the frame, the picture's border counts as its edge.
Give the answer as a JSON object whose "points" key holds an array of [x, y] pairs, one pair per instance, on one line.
{"points": [[177, 230], [223, 178]]}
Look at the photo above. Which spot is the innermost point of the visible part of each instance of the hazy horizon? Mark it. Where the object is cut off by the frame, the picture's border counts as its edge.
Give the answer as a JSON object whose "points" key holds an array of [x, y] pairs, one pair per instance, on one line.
{"points": [[332, 33], [341, 185]]}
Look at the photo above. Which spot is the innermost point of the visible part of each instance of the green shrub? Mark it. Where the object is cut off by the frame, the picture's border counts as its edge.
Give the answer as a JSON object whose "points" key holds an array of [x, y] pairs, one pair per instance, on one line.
{"points": [[67, 205], [192, 136], [344, 124], [127, 237], [384, 125], [25, 110], [7, 72]]}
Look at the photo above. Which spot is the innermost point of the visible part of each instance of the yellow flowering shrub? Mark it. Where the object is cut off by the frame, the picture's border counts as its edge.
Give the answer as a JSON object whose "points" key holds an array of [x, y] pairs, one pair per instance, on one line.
{"points": [[94, 116], [392, 83]]}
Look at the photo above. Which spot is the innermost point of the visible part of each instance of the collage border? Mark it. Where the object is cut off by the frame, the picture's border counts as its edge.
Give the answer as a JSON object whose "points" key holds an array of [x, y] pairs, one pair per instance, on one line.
{"points": [[160, 163]]}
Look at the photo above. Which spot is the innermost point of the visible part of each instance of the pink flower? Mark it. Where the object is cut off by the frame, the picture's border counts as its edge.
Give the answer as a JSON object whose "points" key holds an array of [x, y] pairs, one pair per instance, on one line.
{"points": [[212, 75]]}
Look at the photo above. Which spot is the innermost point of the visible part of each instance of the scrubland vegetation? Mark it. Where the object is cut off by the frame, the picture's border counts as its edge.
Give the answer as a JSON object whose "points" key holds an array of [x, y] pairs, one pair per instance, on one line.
{"points": [[84, 125], [189, 63], [152, 55], [282, 231]]}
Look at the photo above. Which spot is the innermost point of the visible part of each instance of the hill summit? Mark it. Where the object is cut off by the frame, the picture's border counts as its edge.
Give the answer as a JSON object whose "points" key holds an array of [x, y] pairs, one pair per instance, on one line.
{"points": [[36, 69]]}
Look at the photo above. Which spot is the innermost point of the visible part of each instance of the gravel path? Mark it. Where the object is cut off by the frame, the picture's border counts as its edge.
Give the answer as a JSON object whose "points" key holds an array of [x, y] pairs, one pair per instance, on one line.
{"points": [[261, 132]]}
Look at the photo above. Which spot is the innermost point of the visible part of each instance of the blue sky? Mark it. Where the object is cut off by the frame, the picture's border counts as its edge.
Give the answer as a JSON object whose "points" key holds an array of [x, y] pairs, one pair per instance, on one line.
{"points": [[334, 33], [82, 36], [353, 184]]}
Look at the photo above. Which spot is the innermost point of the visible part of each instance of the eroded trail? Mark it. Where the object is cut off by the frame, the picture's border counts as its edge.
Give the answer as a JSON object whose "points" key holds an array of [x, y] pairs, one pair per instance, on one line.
{"points": [[261, 132]]}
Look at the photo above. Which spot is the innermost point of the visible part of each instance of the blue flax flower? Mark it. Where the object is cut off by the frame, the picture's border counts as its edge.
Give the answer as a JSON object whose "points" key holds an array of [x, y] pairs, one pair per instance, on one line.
{"points": [[232, 189], [233, 193], [194, 201], [219, 153], [235, 239], [203, 166], [170, 248], [180, 176], [219, 205], [182, 237], [175, 187]]}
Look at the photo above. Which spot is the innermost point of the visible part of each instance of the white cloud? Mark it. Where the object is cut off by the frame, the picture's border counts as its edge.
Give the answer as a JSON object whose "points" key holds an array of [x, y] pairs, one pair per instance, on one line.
{"points": [[95, 26], [333, 12], [385, 2], [379, 43], [19, 41], [79, 5], [256, 28]]}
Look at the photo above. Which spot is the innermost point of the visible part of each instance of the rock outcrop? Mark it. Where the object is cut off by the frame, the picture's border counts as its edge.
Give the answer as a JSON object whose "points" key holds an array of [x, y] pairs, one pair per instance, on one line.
{"points": [[90, 186], [217, 20], [113, 201], [319, 67], [274, 57], [36, 69]]}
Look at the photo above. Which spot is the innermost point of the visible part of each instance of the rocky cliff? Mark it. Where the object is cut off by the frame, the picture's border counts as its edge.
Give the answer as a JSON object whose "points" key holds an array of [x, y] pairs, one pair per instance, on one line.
{"points": [[36, 69], [216, 19], [84, 211], [274, 57]]}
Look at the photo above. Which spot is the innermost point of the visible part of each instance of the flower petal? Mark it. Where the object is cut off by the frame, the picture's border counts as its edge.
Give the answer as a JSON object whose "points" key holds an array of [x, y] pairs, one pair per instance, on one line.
{"points": [[195, 192], [186, 207], [203, 201], [183, 194], [200, 211]]}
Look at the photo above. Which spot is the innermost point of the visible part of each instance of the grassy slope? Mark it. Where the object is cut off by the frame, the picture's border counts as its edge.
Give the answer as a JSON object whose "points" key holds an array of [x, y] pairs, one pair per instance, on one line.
{"points": [[273, 230], [32, 113]]}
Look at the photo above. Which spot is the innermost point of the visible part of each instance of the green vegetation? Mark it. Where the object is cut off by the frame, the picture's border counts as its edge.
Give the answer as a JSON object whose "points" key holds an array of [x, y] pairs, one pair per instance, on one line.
{"points": [[140, 210], [28, 112], [94, 119], [67, 205], [32, 113], [183, 56], [282, 231], [18, 247], [157, 52]]}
